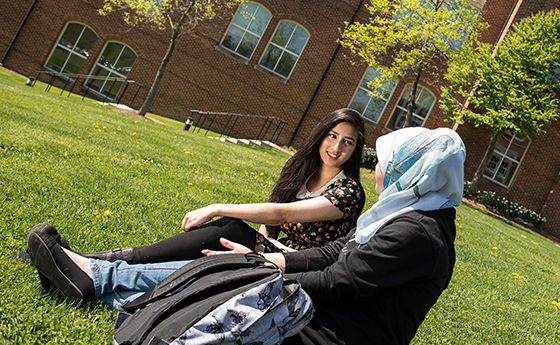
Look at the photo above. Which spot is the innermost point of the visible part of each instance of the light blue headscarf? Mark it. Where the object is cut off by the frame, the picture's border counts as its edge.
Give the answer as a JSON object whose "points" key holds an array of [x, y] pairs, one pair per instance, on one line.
{"points": [[422, 170]]}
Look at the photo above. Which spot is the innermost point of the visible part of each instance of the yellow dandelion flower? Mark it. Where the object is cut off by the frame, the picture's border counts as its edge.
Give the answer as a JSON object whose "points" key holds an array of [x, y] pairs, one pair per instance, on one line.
{"points": [[523, 236], [207, 176], [535, 243], [261, 173], [189, 184], [191, 163], [134, 133], [495, 248], [97, 214], [108, 213]]}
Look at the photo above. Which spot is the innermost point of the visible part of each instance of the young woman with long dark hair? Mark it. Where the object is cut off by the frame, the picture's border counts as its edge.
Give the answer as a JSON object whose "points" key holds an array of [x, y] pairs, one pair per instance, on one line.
{"points": [[317, 199]]}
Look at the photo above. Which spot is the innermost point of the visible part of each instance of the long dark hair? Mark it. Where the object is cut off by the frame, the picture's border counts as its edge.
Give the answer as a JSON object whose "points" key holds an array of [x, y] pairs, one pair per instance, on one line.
{"points": [[306, 161]]}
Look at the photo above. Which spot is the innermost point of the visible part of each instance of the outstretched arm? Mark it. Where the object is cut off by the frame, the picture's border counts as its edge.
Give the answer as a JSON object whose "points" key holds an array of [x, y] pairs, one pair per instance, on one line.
{"points": [[310, 210]]}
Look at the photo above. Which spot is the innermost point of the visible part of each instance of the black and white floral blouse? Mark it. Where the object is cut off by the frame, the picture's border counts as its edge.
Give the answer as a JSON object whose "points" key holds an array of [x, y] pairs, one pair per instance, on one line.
{"points": [[345, 194]]}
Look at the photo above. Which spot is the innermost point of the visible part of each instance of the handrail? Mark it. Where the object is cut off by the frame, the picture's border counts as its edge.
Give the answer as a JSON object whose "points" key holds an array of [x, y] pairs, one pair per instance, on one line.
{"points": [[74, 77], [227, 125]]}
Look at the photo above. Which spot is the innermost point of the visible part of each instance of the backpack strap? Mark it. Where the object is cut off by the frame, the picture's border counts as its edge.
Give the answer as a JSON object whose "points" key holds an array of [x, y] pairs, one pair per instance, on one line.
{"points": [[189, 272]]}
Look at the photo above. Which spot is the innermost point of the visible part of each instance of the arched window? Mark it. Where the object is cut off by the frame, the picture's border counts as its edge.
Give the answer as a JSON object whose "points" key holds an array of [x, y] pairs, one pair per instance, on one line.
{"points": [[113, 65], [284, 49], [506, 158], [72, 49], [372, 102], [425, 101], [246, 29]]}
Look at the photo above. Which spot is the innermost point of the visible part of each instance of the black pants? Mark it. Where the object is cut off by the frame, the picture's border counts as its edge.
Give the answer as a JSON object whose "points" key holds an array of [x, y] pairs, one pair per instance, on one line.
{"points": [[189, 244]]}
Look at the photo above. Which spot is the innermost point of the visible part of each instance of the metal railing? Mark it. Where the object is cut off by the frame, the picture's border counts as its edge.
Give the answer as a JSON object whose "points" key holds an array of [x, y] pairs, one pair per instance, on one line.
{"points": [[72, 78], [239, 126]]}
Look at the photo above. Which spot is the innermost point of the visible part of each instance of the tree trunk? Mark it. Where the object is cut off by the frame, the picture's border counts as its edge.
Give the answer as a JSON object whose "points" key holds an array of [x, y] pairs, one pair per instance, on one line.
{"points": [[159, 75], [480, 171], [411, 103]]}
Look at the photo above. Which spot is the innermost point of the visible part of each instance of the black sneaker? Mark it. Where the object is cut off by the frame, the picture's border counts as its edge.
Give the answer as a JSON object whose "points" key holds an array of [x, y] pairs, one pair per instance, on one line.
{"points": [[52, 262]]}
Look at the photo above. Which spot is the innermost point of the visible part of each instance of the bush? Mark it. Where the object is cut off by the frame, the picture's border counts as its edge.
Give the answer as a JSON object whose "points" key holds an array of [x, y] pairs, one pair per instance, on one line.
{"points": [[369, 158], [503, 205]]}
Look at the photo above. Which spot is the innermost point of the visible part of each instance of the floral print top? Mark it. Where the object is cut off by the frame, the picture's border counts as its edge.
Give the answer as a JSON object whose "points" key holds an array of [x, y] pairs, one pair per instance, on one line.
{"points": [[346, 195]]}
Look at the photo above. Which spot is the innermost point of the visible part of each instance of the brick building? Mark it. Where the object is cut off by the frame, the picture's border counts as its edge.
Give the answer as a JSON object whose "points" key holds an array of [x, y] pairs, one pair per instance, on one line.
{"points": [[286, 64]]}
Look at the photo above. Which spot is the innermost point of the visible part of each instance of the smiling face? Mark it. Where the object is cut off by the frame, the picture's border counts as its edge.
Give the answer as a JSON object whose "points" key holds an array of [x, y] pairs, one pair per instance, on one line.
{"points": [[338, 145]]}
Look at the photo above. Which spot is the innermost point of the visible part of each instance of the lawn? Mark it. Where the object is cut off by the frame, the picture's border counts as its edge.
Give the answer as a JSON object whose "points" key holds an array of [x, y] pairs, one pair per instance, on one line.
{"points": [[108, 179]]}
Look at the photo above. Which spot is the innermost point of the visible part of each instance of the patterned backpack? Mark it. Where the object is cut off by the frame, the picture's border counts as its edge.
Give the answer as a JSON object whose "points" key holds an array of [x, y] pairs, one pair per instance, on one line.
{"points": [[221, 299]]}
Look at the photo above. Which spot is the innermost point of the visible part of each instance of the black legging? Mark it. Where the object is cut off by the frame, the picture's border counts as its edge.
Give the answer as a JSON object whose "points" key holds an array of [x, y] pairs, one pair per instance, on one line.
{"points": [[189, 244]]}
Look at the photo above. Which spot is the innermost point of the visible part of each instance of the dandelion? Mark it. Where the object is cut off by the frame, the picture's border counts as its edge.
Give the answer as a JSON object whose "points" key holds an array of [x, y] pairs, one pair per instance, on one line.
{"points": [[523, 236], [207, 176], [134, 133], [261, 173], [118, 128], [191, 163], [519, 278], [535, 243], [556, 304], [495, 248], [97, 214], [189, 184], [108, 213]]}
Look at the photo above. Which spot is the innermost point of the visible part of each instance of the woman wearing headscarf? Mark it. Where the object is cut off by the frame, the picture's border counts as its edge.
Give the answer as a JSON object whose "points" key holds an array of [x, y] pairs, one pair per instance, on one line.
{"points": [[376, 285]]}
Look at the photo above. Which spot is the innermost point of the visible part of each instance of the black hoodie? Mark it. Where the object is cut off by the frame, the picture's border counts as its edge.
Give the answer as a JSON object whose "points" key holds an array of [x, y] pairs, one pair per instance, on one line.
{"points": [[378, 292]]}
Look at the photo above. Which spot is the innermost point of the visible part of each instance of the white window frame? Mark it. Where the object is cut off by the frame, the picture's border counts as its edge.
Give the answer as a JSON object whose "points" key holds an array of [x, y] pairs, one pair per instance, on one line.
{"points": [[284, 50], [245, 30], [419, 91], [70, 51], [498, 171], [372, 95], [111, 70]]}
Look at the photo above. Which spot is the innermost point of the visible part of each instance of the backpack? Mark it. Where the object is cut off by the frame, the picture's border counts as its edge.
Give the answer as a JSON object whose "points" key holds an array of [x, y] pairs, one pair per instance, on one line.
{"points": [[221, 299]]}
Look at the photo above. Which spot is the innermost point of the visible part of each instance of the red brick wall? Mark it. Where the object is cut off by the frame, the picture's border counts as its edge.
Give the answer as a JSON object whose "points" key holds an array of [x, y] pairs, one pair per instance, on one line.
{"points": [[201, 77]]}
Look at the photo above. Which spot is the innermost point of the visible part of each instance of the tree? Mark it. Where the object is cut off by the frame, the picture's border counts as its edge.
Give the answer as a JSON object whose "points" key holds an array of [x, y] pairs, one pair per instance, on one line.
{"points": [[411, 38], [180, 16], [513, 87]]}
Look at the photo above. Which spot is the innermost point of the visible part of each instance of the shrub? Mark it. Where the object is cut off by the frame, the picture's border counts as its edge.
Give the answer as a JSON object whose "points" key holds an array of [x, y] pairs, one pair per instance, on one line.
{"points": [[369, 158], [503, 205]]}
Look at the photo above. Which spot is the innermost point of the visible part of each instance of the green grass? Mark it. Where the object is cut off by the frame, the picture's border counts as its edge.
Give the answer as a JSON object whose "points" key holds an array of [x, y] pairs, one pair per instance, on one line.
{"points": [[64, 160]]}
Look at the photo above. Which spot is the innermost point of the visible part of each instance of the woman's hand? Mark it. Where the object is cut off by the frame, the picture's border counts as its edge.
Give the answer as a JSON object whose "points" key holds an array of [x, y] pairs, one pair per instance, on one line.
{"points": [[197, 217], [235, 248]]}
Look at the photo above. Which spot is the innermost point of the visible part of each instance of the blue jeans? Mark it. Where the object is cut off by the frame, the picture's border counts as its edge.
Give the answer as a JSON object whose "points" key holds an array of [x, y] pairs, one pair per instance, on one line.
{"points": [[117, 282]]}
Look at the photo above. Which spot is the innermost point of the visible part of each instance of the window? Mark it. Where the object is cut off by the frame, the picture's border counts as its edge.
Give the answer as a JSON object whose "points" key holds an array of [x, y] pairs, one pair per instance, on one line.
{"points": [[506, 158], [424, 102], [72, 49], [246, 30], [115, 61], [372, 102], [284, 49]]}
